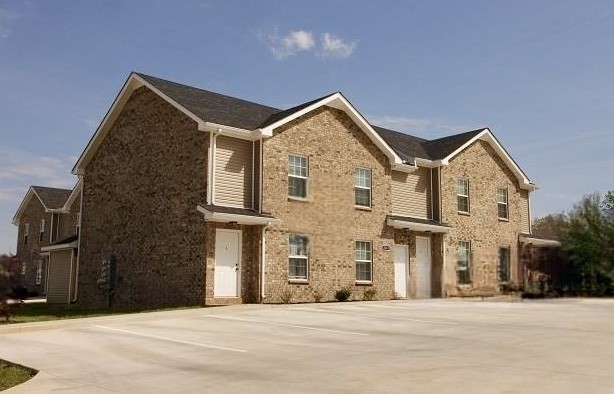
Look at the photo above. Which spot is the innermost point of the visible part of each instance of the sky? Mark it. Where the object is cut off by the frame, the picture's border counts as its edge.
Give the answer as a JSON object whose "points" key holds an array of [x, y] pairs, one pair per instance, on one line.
{"points": [[539, 74]]}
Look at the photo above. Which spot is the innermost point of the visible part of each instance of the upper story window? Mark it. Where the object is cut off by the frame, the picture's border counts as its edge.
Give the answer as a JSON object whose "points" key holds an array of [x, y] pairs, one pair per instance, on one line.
{"points": [[298, 258], [41, 233], [26, 233], [502, 210], [298, 174], [462, 195], [362, 187], [364, 261], [463, 266]]}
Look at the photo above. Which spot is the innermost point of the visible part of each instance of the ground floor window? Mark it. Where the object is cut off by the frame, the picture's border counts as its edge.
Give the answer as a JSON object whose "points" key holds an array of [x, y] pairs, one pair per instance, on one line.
{"points": [[298, 257], [463, 267], [504, 264], [39, 272], [364, 261]]}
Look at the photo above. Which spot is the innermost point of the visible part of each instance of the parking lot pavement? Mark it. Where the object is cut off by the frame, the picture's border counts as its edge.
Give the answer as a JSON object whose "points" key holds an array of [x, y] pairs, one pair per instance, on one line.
{"points": [[438, 346]]}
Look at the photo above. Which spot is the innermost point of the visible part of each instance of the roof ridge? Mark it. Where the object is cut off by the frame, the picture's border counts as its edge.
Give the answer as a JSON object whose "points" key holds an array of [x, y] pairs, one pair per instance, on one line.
{"points": [[203, 90]]}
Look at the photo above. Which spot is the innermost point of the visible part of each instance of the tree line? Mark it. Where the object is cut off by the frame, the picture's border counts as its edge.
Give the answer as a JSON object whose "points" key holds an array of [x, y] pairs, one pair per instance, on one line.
{"points": [[586, 234]]}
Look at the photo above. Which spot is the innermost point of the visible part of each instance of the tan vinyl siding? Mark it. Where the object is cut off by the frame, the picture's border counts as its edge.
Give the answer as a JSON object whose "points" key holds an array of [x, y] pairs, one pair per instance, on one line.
{"points": [[524, 212], [58, 281], [233, 172], [435, 197], [256, 190], [411, 193]]}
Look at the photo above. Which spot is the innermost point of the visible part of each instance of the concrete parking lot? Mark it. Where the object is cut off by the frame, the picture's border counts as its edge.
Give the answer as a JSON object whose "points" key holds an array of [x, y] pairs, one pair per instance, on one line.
{"points": [[436, 346]]}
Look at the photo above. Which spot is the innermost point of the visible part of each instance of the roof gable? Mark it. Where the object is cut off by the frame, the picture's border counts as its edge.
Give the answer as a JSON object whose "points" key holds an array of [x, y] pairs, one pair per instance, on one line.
{"points": [[338, 101], [51, 198]]}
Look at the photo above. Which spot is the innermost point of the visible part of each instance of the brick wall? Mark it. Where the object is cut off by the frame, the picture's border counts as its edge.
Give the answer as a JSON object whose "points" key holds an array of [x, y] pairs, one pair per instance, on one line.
{"points": [[140, 193], [485, 171], [335, 146]]}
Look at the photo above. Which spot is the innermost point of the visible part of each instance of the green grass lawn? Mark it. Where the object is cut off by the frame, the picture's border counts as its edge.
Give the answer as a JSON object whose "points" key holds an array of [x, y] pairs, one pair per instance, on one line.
{"points": [[27, 313], [12, 375]]}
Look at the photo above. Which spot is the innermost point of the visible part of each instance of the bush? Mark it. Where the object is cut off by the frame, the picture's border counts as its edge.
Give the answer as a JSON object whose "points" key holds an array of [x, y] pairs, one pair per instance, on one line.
{"points": [[286, 296], [369, 294], [343, 294], [317, 296], [509, 288]]}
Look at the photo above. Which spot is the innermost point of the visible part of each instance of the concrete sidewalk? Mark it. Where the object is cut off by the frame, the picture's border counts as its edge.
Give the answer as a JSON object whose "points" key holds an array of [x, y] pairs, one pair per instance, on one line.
{"points": [[394, 346]]}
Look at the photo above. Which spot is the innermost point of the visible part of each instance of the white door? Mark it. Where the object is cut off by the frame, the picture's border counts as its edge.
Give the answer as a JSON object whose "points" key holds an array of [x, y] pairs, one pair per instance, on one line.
{"points": [[423, 267], [227, 263], [400, 270]]}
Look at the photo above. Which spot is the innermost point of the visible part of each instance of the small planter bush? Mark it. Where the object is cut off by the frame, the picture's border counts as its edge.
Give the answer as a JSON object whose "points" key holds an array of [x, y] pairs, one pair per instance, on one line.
{"points": [[343, 294], [369, 294]]}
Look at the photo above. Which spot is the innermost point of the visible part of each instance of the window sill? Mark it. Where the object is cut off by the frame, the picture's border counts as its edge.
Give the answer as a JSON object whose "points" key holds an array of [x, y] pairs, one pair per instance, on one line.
{"points": [[364, 283], [464, 286], [299, 199], [464, 213], [299, 281], [504, 220], [363, 208]]}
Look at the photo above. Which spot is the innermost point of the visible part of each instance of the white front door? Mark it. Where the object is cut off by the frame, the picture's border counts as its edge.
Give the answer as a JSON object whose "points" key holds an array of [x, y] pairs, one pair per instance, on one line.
{"points": [[422, 271], [400, 270], [227, 263]]}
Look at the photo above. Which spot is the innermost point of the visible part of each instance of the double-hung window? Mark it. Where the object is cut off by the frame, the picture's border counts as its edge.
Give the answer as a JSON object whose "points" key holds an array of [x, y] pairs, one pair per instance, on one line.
{"points": [[463, 266], [462, 195], [26, 233], [362, 187], [298, 257], [502, 210], [298, 175], [41, 233], [504, 264], [78, 223], [39, 272], [364, 261]]}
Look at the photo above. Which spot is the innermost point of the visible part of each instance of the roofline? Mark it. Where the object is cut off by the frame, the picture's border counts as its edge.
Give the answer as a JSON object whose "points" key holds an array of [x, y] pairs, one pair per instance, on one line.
{"points": [[132, 83], [487, 135], [24, 203], [408, 224], [68, 245], [222, 217], [338, 101], [76, 190]]}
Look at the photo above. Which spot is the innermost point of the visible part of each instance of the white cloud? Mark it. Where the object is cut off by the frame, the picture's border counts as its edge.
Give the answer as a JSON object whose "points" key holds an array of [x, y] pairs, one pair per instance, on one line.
{"points": [[295, 41], [333, 46]]}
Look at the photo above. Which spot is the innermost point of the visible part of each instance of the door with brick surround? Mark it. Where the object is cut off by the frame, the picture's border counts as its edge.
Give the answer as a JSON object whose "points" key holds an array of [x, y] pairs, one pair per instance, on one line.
{"points": [[227, 263], [400, 271], [422, 271]]}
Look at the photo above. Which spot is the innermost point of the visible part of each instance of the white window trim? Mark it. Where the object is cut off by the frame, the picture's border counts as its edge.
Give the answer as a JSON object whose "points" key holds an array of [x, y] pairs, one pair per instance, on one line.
{"points": [[298, 256], [306, 178], [362, 281], [506, 203], [370, 172], [24, 268], [78, 222], [463, 195], [509, 264], [39, 272], [468, 262]]}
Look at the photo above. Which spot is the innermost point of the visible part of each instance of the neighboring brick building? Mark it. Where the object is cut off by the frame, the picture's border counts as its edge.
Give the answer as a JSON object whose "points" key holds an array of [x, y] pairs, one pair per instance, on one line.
{"points": [[190, 197], [45, 217]]}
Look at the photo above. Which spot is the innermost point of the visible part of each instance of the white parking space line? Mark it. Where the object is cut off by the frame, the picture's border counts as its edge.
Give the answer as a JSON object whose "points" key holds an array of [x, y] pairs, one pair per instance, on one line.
{"points": [[287, 325], [378, 316], [140, 334]]}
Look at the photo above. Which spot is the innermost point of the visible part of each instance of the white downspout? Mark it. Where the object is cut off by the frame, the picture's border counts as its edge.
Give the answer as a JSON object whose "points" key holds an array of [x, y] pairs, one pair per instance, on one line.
{"points": [[443, 269], [263, 264], [79, 240], [529, 213]]}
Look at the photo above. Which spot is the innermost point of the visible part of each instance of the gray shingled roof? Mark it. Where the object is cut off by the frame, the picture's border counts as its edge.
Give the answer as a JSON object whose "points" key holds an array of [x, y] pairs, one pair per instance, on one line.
{"points": [[231, 111], [214, 107], [51, 197]]}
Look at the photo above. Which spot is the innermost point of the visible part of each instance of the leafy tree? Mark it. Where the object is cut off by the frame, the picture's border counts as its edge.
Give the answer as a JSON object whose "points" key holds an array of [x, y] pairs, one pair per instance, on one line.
{"points": [[551, 226]]}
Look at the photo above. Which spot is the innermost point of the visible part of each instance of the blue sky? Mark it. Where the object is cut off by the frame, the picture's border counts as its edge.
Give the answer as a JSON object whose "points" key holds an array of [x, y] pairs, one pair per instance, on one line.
{"points": [[539, 74]]}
